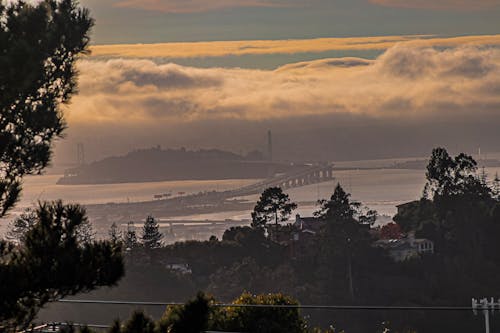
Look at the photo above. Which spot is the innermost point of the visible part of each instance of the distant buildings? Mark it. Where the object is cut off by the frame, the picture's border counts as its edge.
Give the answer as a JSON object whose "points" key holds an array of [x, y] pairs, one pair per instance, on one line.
{"points": [[179, 267], [406, 248]]}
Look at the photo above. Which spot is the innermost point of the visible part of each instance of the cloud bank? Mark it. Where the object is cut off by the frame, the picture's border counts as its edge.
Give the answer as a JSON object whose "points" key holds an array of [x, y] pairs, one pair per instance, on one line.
{"points": [[409, 97], [406, 81]]}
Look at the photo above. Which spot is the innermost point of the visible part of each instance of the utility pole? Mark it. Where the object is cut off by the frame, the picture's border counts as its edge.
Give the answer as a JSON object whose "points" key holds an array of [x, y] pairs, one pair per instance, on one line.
{"points": [[486, 306], [349, 269]]}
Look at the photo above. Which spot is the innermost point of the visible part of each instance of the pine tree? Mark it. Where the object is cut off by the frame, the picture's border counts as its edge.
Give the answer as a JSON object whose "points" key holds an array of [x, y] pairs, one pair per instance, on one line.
{"points": [[114, 234], [130, 237], [339, 207], [496, 186], [40, 41], [151, 236], [273, 206], [483, 177], [86, 233], [20, 226]]}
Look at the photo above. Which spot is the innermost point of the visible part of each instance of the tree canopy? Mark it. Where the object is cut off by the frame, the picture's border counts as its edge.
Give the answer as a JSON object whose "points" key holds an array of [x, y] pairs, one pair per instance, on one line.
{"points": [[273, 205], [448, 176], [130, 237], [151, 235], [459, 212], [39, 44], [201, 314], [51, 262]]}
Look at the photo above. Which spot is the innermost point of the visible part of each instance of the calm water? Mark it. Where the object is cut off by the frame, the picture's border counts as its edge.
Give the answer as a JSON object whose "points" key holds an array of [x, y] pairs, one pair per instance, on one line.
{"points": [[380, 189]]}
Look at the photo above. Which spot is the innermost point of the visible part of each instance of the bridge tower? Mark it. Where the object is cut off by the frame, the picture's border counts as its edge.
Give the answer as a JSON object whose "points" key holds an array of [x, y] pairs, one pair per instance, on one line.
{"points": [[270, 167], [80, 154], [269, 146]]}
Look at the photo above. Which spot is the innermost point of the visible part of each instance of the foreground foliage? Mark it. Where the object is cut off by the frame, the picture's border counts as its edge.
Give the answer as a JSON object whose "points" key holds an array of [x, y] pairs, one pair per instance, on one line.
{"points": [[51, 262], [55, 255], [39, 45], [202, 314]]}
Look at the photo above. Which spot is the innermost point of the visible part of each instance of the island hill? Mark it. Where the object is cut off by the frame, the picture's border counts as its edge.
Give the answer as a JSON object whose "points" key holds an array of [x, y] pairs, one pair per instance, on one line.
{"points": [[156, 164]]}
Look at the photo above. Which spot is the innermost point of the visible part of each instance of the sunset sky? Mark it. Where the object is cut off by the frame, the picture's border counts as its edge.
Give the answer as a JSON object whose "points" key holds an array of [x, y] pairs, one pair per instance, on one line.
{"points": [[333, 79]]}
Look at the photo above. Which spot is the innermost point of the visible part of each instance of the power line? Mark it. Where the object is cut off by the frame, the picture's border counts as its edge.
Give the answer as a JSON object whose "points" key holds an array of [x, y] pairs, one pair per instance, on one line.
{"points": [[475, 306], [279, 306]]}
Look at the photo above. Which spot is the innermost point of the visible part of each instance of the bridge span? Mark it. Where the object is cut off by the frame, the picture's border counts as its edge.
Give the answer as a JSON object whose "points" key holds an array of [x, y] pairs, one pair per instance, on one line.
{"points": [[308, 175]]}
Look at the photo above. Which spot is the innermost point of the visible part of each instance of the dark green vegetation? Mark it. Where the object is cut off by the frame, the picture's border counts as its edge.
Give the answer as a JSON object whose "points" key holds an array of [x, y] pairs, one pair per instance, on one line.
{"points": [[273, 206], [151, 236], [54, 256], [156, 164], [459, 212], [38, 47], [202, 314]]}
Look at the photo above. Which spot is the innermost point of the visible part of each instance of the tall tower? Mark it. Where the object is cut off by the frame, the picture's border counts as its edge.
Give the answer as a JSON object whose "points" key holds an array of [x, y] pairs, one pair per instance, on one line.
{"points": [[269, 146], [80, 154]]}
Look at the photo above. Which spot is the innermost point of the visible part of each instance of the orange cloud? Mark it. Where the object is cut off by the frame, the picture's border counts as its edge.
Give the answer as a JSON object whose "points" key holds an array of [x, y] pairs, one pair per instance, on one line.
{"points": [[440, 4], [259, 47], [193, 6]]}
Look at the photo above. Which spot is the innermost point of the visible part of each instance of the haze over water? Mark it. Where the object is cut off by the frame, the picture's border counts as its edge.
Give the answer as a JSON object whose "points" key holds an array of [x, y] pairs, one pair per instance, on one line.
{"points": [[379, 189]]}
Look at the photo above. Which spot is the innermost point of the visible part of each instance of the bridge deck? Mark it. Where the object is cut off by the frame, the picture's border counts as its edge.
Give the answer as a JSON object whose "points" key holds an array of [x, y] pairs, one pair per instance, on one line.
{"points": [[310, 175]]}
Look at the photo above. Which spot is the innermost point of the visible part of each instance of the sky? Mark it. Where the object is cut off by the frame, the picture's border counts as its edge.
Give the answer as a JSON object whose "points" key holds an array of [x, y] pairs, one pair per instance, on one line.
{"points": [[333, 79]]}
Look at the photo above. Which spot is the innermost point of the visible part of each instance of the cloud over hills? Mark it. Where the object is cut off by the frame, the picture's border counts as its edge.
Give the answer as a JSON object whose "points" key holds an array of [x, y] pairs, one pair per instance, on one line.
{"points": [[411, 92], [406, 80]]}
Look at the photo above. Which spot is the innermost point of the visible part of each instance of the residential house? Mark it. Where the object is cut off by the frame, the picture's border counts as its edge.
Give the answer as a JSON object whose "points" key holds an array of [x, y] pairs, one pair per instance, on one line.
{"points": [[406, 248]]}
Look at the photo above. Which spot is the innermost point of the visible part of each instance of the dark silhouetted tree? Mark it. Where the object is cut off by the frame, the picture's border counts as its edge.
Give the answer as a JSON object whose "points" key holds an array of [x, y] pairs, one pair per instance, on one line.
{"points": [[200, 314], [86, 233], [114, 234], [151, 235], [264, 320], [448, 176], [339, 207], [24, 222], [51, 262], [496, 187], [38, 47], [345, 235], [21, 224], [39, 44], [245, 235], [273, 205], [130, 237], [139, 323], [193, 317]]}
